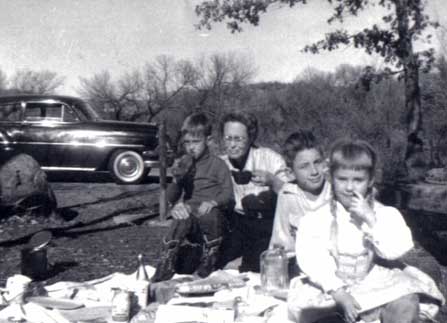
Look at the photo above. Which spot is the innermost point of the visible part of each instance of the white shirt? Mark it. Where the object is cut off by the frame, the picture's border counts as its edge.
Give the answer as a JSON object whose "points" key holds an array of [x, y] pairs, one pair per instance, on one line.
{"points": [[390, 238], [292, 205], [258, 159]]}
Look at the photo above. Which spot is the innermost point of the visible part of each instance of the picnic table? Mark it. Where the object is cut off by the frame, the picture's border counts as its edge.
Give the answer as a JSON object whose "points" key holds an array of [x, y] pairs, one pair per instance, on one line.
{"points": [[92, 301]]}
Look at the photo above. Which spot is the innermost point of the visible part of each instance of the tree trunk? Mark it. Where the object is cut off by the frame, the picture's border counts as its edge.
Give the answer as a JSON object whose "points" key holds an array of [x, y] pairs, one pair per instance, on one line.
{"points": [[413, 98], [163, 202], [405, 52]]}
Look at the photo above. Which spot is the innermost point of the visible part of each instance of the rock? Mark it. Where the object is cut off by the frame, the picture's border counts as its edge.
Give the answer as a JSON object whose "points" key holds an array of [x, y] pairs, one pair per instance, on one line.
{"points": [[24, 187]]}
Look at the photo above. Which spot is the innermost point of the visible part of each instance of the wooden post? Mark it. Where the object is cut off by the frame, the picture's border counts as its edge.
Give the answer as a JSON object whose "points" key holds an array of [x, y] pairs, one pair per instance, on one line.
{"points": [[162, 146]]}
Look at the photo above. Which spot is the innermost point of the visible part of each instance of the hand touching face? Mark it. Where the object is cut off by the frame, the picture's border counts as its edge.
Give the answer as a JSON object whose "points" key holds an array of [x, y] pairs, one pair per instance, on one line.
{"points": [[347, 182], [361, 210]]}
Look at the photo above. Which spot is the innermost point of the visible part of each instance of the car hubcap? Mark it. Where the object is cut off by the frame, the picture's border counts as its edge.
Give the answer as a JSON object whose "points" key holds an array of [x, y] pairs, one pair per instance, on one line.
{"points": [[128, 166]]}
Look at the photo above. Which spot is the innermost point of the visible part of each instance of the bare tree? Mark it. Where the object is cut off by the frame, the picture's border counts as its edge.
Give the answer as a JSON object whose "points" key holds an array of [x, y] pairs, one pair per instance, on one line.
{"points": [[136, 95], [164, 81], [221, 78], [100, 92], [36, 82]]}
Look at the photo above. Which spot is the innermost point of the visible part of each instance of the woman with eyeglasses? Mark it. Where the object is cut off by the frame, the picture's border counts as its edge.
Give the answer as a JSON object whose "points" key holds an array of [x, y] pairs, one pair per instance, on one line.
{"points": [[258, 173]]}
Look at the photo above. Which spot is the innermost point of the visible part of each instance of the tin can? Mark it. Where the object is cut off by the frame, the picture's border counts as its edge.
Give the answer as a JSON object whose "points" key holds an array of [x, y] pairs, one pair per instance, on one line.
{"points": [[121, 306]]}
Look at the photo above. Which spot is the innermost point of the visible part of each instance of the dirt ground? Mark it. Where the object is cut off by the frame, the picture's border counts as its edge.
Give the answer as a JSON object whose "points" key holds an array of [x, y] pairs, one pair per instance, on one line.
{"points": [[92, 239]]}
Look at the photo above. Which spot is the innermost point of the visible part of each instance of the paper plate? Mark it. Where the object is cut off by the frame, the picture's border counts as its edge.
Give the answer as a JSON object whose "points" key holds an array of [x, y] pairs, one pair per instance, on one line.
{"points": [[57, 303]]}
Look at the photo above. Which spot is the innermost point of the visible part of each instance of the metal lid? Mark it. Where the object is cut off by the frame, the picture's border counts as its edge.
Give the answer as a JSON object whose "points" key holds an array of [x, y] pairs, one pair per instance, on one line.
{"points": [[39, 240]]}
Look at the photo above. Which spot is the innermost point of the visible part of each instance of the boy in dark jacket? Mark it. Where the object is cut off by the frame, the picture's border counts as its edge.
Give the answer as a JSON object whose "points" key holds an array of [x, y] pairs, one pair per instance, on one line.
{"points": [[200, 194]]}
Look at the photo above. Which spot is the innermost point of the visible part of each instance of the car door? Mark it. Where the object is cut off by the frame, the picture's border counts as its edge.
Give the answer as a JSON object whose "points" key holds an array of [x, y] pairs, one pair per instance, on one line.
{"points": [[40, 135], [84, 144]]}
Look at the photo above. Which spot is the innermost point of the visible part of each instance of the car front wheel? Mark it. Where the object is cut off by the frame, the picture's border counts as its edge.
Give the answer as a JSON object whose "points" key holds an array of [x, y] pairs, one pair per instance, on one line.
{"points": [[127, 167]]}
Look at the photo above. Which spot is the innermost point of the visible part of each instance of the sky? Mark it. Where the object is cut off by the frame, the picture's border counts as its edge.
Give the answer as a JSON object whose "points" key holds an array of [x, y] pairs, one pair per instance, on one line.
{"points": [[78, 38]]}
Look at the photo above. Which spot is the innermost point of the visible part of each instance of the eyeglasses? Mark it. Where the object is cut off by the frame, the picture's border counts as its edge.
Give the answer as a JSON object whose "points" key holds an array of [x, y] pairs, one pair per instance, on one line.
{"points": [[236, 139]]}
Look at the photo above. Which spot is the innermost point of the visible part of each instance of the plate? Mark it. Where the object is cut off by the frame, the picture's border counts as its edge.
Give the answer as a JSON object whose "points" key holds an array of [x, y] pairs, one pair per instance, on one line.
{"points": [[57, 303], [191, 289]]}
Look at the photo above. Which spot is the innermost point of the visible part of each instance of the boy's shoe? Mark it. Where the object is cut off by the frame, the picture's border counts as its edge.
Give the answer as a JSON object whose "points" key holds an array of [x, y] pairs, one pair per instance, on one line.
{"points": [[209, 257], [166, 266]]}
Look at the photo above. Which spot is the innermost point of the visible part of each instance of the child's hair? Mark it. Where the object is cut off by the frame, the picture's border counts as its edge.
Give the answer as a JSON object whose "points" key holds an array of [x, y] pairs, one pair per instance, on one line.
{"points": [[353, 154], [246, 118], [299, 141], [197, 125], [357, 155]]}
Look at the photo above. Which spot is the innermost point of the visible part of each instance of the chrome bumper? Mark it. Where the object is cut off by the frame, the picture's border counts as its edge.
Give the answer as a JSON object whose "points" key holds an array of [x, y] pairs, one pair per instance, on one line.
{"points": [[152, 163]]}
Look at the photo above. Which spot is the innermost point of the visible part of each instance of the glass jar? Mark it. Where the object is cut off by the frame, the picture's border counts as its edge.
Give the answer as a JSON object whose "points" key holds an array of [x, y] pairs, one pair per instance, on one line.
{"points": [[120, 305], [274, 270]]}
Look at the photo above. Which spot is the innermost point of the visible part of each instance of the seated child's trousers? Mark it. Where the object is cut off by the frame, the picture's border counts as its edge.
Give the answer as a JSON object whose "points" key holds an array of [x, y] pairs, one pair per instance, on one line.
{"points": [[197, 228]]}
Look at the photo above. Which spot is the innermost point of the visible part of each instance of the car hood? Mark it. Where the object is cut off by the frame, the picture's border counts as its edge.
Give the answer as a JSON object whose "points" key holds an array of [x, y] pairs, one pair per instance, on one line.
{"points": [[123, 126]]}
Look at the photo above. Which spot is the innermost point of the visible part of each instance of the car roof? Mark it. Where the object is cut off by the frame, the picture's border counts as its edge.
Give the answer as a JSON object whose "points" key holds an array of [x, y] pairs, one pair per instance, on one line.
{"points": [[38, 97]]}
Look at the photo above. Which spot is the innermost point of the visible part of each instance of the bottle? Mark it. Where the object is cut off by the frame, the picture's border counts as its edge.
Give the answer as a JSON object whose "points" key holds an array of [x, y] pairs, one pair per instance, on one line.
{"points": [[120, 305], [141, 288], [274, 270]]}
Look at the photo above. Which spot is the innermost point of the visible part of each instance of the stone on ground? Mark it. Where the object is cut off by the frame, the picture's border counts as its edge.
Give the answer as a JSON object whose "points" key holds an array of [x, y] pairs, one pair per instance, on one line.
{"points": [[24, 187]]}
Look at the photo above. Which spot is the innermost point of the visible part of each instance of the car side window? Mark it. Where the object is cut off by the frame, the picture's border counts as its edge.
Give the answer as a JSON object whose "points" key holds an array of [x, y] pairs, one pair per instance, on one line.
{"points": [[43, 112], [70, 115], [10, 112]]}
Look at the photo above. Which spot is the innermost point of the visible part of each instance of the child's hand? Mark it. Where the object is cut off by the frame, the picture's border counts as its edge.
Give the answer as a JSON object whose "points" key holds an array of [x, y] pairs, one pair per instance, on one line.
{"points": [[261, 177], [180, 211], [348, 304], [206, 207], [181, 167], [361, 210]]}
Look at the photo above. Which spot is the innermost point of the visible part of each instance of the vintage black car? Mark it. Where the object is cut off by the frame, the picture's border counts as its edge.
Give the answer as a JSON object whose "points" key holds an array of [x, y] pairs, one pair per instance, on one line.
{"points": [[65, 134]]}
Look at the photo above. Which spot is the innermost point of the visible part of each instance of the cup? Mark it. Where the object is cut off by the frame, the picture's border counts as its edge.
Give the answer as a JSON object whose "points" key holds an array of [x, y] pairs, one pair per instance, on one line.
{"points": [[34, 263]]}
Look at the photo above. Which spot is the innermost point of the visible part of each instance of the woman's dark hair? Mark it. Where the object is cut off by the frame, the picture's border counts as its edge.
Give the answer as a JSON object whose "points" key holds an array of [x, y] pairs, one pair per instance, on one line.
{"points": [[246, 118], [299, 141]]}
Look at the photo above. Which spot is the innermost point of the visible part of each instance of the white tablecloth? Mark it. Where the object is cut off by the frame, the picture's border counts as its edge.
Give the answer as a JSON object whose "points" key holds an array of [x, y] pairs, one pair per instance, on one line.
{"points": [[97, 294]]}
